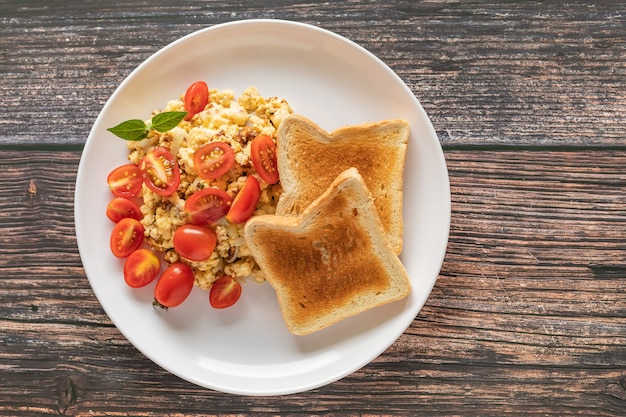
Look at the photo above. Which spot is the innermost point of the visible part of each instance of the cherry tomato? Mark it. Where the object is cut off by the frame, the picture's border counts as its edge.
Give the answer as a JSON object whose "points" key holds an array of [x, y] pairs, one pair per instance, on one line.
{"points": [[213, 160], [125, 180], [141, 268], [195, 243], [207, 206], [120, 208], [263, 155], [196, 98], [224, 292], [174, 285], [160, 171], [245, 202], [126, 237]]}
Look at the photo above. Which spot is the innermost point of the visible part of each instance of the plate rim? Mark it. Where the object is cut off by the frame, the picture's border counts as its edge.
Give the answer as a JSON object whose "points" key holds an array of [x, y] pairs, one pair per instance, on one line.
{"points": [[300, 26]]}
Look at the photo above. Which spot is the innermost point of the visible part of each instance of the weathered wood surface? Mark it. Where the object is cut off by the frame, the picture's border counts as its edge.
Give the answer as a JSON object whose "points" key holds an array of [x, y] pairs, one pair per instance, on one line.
{"points": [[487, 72], [528, 316]]}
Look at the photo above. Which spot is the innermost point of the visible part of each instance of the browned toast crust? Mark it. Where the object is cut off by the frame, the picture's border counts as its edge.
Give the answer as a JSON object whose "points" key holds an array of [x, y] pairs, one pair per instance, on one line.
{"points": [[332, 261], [309, 159]]}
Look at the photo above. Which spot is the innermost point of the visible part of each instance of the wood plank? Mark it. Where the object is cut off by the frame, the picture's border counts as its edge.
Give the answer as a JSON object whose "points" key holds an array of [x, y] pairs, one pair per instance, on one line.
{"points": [[528, 315], [489, 73]]}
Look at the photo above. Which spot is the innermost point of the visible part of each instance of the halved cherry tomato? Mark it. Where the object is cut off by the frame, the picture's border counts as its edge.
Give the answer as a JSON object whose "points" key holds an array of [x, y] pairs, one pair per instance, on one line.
{"points": [[263, 155], [213, 160], [160, 171], [120, 208], [125, 180], [126, 237], [141, 268], [224, 292], [195, 243], [207, 206], [196, 98], [245, 202], [174, 285]]}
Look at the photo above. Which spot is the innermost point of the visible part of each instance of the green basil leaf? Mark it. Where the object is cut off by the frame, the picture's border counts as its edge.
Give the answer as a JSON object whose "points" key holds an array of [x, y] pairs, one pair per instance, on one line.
{"points": [[168, 120], [133, 129]]}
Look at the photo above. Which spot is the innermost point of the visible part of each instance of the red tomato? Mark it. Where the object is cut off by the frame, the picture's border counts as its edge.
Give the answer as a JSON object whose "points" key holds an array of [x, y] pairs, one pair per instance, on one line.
{"points": [[160, 171], [141, 268], [224, 292], [125, 180], [207, 206], [195, 243], [213, 160], [245, 202], [174, 285], [263, 154], [126, 237], [196, 98], [120, 208]]}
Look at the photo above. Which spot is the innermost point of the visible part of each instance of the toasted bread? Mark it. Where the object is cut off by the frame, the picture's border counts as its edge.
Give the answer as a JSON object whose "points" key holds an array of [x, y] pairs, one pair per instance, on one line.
{"points": [[309, 159], [331, 262]]}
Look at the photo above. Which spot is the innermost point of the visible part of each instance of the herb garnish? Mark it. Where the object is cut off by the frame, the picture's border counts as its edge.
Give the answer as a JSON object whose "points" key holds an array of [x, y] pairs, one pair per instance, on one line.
{"points": [[136, 129]]}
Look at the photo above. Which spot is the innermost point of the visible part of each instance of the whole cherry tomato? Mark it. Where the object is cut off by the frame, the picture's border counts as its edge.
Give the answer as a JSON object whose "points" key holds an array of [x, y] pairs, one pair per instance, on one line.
{"points": [[126, 237], [174, 285], [245, 202], [195, 243], [196, 98], [120, 208], [207, 206], [213, 160], [264, 160], [160, 171], [224, 292], [141, 268], [125, 180]]}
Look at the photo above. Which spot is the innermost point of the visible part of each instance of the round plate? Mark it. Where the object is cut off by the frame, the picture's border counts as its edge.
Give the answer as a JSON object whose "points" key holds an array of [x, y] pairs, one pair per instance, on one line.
{"points": [[246, 349]]}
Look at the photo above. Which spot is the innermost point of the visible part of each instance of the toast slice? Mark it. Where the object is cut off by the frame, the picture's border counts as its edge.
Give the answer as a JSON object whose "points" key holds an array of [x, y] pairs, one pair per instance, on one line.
{"points": [[309, 159], [331, 262]]}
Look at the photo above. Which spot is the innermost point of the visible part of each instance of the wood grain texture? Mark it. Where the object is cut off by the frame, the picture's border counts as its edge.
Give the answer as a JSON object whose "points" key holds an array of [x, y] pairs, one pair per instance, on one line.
{"points": [[528, 72], [528, 316]]}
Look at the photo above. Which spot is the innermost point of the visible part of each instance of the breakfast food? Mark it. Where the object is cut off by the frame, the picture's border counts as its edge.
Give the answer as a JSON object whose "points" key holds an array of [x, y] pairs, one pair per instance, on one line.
{"points": [[219, 188], [191, 185], [309, 159], [332, 260]]}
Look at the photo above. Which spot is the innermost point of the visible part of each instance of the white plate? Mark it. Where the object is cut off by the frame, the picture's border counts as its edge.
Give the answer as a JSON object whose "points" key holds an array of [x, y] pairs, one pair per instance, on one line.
{"points": [[246, 349]]}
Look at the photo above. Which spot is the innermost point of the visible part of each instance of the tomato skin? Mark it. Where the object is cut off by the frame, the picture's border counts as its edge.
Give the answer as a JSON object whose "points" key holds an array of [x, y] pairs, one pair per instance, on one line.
{"points": [[160, 171], [207, 206], [141, 268], [125, 180], [195, 243], [224, 292], [126, 237], [120, 208], [245, 202], [213, 160], [196, 98], [263, 155], [174, 285]]}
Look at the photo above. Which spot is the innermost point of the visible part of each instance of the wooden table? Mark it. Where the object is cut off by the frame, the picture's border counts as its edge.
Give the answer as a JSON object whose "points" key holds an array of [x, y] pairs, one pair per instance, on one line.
{"points": [[528, 316]]}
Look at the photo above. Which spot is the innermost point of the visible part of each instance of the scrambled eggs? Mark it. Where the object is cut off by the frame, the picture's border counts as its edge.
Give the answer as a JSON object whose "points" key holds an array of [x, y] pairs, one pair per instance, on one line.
{"points": [[226, 118]]}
